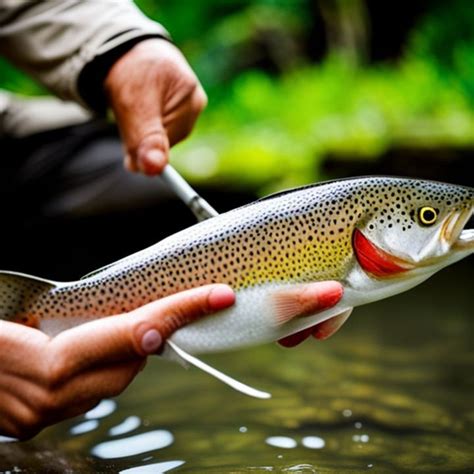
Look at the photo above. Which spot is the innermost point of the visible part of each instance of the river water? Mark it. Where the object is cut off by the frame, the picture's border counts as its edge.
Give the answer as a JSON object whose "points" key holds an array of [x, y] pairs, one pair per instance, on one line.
{"points": [[391, 392]]}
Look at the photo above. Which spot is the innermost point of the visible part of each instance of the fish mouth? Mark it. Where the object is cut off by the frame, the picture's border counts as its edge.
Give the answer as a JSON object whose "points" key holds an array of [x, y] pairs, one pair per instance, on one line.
{"points": [[375, 260], [462, 234]]}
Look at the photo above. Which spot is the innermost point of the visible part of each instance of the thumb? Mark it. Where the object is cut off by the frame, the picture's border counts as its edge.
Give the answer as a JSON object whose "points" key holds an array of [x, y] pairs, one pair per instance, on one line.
{"points": [[138, 333], [152, 153], [136, 94], [145, 139], [167, 315]]}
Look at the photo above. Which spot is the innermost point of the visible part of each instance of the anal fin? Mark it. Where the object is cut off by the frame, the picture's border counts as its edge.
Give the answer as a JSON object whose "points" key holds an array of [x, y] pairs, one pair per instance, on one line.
{"points": [[329, 327], [235, 384], [320, 331]]}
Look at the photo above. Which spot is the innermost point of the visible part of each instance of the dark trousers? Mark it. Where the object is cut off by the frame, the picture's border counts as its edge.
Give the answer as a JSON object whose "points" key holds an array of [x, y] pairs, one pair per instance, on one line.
{"points": [[69, 206]]}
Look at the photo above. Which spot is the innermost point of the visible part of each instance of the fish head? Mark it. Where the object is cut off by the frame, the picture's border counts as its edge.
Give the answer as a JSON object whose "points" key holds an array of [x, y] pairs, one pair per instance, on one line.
{"points": [[411, 226]]}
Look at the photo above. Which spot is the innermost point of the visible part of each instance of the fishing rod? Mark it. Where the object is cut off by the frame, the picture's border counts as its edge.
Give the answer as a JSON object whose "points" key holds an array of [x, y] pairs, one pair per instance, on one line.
{"points": [[198, 205]]}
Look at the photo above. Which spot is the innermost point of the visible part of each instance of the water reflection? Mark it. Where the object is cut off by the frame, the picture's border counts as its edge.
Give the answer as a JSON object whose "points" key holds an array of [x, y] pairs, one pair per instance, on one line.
{"points": [[129, 424], [313, 442], [133, 445], [284, 442], [156, 468], [84, 427], [310, 442], [364, 383], [299, 468], [103, 409], [364, 438]]}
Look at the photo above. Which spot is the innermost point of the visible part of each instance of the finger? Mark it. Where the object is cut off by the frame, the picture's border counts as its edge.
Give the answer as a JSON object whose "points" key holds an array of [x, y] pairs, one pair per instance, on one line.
{"points": [[130, 164], [132, 335], [83, 392], [22, 349], [152, 79], [145, 139], [180, 309], [136, 97], [152, 153], [17, 419], [25, 413], [108, 381], [180, 121]]}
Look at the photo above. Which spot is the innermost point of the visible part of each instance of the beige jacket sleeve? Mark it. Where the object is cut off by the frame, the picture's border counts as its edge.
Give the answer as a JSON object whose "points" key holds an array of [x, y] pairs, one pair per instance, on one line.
{"points": [[53, 40]]}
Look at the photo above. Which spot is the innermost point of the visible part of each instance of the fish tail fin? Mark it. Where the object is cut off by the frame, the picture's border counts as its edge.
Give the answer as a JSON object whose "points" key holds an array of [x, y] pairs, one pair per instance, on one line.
{"points": [[17, 294], [174, 352]]}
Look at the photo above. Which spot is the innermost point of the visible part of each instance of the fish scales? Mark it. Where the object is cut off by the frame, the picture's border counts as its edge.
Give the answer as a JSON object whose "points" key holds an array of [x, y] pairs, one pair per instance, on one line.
{"points": [[291, 238], [249, 246]]}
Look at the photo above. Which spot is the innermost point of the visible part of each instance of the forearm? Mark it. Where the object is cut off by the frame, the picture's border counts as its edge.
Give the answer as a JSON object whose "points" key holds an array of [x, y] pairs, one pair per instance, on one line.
{"points": [[55, 41]]}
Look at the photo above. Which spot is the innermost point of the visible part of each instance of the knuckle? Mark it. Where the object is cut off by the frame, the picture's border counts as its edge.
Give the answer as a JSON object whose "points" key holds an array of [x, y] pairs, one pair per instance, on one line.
{"points": [[188, 82], [56, 372], [180, 309], [197, 101], [153, 137], [200, 100], [47, 402], [172, 322]]}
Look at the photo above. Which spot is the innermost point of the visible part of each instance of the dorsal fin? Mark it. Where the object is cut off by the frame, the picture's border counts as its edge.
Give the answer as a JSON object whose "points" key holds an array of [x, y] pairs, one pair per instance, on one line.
{"points": [[101, 269]]}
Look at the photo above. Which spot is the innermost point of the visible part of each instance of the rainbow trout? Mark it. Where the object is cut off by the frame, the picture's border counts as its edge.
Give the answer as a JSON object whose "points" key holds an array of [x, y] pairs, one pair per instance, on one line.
{"points": [[378, 236]]}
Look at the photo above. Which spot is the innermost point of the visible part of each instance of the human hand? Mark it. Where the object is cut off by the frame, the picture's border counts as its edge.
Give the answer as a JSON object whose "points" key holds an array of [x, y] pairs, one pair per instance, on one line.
{"points": [[44, 380], [309, 299], [156, 98]]}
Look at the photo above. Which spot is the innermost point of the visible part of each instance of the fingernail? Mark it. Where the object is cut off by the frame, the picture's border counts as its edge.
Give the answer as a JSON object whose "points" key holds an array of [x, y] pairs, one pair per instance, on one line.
{"points": [[329, 294], [151, 341], [220, 297]]}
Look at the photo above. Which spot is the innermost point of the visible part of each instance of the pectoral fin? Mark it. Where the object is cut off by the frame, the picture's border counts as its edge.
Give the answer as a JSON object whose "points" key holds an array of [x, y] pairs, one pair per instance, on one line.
{"points": [[235, 384], [303, 300]]}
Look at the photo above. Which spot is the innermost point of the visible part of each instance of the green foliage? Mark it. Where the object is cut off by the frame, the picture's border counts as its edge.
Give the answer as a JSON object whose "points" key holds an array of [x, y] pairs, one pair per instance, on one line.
{"points": [[222, 39], [17, 81], [445, 39], [273, 132]]}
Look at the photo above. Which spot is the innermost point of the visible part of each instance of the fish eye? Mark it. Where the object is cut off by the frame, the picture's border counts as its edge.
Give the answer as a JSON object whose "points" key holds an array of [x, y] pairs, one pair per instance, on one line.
{"points": [[427, 215]]}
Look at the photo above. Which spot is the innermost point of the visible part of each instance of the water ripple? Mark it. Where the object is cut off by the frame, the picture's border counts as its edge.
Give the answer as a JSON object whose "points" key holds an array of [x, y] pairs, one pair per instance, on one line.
{"points": [[313, 442], [103, 409], [156, 468], [133, 445], [129, 424], [84, 427], [281, 442]]}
